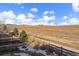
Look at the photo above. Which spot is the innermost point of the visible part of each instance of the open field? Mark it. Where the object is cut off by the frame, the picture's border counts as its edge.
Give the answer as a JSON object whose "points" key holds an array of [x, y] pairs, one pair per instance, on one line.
{"points": [[64, 35]]}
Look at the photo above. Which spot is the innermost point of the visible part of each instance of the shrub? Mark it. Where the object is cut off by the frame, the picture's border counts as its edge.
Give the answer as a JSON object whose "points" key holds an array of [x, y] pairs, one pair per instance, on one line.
{"points": [[31, 39], [23, 36], [15, 31]]}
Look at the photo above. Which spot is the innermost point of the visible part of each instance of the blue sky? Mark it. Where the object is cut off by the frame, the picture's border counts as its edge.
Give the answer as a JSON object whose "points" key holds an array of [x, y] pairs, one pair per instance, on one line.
{"points": [[39, 13]]}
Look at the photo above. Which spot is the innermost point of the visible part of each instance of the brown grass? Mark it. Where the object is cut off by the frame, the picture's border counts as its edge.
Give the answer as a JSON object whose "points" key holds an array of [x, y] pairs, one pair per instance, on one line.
{"points": [[67, 35]]}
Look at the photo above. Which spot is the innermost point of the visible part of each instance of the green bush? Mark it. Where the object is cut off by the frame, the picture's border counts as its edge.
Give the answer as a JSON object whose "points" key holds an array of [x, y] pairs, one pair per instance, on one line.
{"points": [[23, 36]]}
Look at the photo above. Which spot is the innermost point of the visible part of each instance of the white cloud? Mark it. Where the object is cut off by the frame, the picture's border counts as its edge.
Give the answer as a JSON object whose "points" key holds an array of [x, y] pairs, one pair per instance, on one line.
{"points": [[40, 19], [44, 20], [50, 24], [7, 14], [42, 23], [7, 17], [9, 21], [26, 21], [49, 12], [36, 23], [45, 23], [46, 12], [73, 21], [48, 18], [30, 15], [63, 23], [65, 17], [21, 18], [34, 10], [75, 7]]}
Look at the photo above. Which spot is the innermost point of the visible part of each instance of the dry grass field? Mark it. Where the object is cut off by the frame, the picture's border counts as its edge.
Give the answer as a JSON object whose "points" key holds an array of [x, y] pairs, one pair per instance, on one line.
{"points": [[64, 35]]}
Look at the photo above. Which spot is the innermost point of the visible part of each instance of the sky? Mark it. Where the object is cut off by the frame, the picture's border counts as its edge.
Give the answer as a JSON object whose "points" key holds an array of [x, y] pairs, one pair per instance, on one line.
{"points": [[39, 13]]}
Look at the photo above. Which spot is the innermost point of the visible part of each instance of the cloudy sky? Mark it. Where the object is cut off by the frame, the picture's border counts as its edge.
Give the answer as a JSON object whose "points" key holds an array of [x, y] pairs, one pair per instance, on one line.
{"points": [[40, 13]]}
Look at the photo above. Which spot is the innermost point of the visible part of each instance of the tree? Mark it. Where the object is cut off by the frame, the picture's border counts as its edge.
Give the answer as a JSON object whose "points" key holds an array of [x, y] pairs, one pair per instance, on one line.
{"points": [[23, 36], [15, 31]]}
